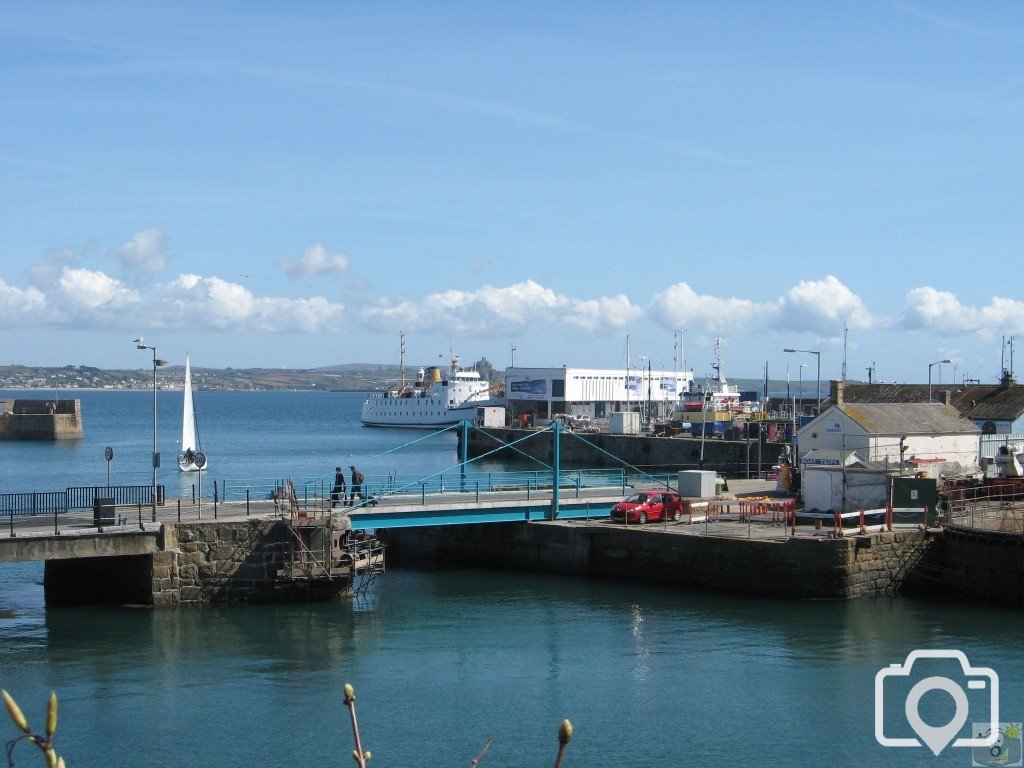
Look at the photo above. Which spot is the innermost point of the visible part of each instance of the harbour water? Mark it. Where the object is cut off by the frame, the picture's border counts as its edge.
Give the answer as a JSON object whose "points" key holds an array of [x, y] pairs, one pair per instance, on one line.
{"points": [[444, 660]]}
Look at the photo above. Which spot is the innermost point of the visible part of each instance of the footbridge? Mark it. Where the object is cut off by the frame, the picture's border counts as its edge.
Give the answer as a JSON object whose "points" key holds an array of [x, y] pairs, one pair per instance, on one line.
{"points": [[112, 521]]}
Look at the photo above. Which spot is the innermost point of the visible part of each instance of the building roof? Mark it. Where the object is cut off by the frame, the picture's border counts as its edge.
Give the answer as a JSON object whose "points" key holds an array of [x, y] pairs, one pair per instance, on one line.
{"points": [[909, 418], [978, 402]]}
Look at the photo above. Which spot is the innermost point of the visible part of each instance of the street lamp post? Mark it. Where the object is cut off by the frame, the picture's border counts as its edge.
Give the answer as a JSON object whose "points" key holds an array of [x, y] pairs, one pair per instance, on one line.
{"points": [[140, 344], [937, 362], [817, 354], [800, 389]]}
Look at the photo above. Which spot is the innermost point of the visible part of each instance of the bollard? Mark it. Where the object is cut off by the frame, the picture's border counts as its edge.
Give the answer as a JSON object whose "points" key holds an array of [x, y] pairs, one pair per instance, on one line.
{"points": [[888, 518], [12, 521], [246, 502], [817, 523], [792, 517], [924, 525], [179, 509], [862, 528], [193, 493], [214, 499]]}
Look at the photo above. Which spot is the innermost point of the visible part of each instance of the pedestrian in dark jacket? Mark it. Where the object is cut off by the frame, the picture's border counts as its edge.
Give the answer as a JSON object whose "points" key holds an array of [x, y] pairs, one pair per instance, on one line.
{"points": [[357, 486], [338, 491]]}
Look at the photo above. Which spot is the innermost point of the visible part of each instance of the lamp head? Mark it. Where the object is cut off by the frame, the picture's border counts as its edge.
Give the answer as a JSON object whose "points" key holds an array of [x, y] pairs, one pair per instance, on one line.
{"points": [[789, 350], [159, 362]]}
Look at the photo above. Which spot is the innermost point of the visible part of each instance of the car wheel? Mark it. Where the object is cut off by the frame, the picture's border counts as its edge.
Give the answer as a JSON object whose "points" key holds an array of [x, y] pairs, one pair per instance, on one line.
{"points": [[676, 516], [643, 518]]}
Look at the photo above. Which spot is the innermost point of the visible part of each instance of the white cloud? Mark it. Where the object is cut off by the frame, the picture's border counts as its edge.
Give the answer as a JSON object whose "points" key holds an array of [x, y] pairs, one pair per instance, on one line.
{"points": [[822, 306], [46, 272], [19, 306], [84, 291], [929, 309], [314, 261], [490, 311], [679, 306], [212, 303], [143, 255]]}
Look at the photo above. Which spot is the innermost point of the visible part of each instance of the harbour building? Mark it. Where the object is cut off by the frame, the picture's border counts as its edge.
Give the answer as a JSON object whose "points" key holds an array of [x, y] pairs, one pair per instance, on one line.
{"points": [[537, 395]]}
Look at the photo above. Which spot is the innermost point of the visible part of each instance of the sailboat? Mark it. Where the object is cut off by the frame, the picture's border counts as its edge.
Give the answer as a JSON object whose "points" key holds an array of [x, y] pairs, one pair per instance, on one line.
{"points": [[192, 459]]}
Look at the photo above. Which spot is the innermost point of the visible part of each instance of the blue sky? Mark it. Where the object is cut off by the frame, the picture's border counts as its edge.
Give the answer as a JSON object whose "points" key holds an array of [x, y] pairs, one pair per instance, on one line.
{"points": [[291, 184]]}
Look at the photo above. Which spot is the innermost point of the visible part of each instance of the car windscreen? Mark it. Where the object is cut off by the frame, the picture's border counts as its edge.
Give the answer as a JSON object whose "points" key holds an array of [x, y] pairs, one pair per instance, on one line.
{"points": [[637, 498]]}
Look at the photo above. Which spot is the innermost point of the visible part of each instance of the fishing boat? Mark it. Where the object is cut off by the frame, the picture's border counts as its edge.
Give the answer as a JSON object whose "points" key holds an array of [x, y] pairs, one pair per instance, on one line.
{"points": [[434, 399], [715, 394], [192, 458]]}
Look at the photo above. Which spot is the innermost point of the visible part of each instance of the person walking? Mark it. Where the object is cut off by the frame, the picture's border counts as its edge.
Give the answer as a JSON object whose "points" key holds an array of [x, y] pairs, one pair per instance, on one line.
{"points": [[357, 486], [338, 491]]}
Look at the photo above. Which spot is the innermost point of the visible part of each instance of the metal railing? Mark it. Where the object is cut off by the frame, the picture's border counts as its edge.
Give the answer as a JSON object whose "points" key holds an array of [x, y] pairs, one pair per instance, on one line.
{"points": [[79, 497], [1000, 510]]}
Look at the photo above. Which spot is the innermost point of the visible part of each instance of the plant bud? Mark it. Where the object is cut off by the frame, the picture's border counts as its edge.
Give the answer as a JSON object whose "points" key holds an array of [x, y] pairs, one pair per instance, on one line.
{"points": [[51, 716], [51, 758], [15, 712], [367, 755], [565, 732], [350, 692], [60, 763], [355, 755]]}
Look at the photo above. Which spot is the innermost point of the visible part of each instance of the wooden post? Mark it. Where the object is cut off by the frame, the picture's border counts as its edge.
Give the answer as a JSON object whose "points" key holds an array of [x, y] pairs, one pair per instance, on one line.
{"points": [[862, 528]]}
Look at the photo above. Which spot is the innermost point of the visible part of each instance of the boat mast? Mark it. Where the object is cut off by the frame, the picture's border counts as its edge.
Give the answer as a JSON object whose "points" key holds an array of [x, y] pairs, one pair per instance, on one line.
{"points": [[401, 359]]}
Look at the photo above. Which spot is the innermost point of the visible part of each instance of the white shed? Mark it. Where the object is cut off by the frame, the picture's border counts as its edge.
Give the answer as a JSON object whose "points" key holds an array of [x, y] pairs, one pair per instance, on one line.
{"points": [[890, 434]]}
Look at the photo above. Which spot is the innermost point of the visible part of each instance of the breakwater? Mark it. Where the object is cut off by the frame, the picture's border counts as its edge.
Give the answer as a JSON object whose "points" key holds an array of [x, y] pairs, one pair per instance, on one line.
{"points": [[737, 458], [26, 419], [817, 568]]}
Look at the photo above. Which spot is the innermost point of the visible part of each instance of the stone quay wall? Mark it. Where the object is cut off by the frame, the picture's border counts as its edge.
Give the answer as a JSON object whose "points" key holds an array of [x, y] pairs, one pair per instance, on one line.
{"points": [[979, 565], [657, 454], [23, 419], [802, 568], [196, 563]]}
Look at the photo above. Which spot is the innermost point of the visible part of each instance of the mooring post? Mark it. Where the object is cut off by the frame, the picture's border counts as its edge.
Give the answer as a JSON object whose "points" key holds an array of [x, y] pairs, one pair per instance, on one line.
{"points": [[141, 526], [179, 509], [12, 521], [247, 502], [556, 444], [56, 531], [214, 499]]}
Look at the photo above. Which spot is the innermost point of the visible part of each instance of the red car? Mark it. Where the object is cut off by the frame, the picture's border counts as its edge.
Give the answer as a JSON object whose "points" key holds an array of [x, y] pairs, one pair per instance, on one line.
{"points": [[648, 506]]}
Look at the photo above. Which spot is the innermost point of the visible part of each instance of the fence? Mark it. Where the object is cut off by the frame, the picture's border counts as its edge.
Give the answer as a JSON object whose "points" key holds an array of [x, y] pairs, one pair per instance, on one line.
{"points": [[998, 508], [81, 497]]}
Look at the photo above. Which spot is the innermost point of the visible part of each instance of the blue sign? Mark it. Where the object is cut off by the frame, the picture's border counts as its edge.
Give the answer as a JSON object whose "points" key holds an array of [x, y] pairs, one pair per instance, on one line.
{"points": [[668, 384], [632, 383], [530, 387]]}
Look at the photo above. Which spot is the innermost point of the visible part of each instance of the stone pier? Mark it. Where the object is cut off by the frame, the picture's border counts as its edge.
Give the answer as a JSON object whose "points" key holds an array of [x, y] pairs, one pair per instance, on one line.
{"points": [[251, 561], [802, 568]]}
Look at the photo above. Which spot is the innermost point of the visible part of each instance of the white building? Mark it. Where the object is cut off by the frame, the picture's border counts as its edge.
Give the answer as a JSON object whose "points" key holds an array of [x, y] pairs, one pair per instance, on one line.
{"points": [[538, 394], [847, 454]]}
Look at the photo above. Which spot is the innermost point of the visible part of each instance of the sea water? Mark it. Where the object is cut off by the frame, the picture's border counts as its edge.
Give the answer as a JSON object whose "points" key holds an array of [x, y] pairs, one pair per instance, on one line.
{"points": [[444, 660]]}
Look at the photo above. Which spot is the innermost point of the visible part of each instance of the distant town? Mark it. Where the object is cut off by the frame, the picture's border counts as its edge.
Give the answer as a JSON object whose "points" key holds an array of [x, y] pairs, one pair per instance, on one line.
{"points": [[340, 378]]}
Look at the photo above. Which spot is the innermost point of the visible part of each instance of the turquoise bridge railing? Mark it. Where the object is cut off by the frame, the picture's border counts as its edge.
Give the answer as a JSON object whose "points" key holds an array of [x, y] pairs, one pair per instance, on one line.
{"points": [[461, 478]]}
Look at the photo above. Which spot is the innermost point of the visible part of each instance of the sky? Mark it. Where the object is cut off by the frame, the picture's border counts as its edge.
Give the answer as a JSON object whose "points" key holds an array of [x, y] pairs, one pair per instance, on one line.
{"points": [[291, 185]]}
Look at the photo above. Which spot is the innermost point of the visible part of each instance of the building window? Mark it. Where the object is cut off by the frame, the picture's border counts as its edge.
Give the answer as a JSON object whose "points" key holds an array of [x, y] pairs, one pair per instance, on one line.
{"points": [[558, 387]]}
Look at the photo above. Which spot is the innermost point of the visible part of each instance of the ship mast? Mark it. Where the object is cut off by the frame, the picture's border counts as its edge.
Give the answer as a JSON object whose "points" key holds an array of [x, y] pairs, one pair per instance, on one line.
{"points": [[401, 359]]}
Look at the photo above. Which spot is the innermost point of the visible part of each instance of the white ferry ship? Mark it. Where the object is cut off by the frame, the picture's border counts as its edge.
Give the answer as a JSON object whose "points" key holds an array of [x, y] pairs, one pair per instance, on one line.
{"points": [[434, 400]]}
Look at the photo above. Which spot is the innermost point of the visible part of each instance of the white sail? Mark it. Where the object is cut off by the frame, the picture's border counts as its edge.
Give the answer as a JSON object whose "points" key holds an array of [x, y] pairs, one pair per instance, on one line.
{"points": [[188, 417], [189, 442]]}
